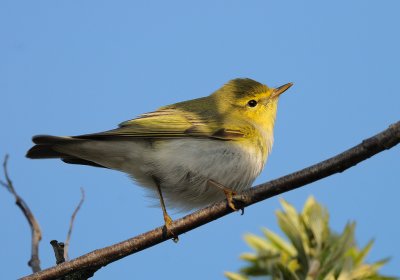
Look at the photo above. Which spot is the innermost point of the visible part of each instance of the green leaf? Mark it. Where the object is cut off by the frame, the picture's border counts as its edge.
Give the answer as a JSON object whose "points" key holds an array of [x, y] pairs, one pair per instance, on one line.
{"points": [[363, 253], [258, 269], [235, 276], [249, 257], [293, 232], [282, 272], [333, 256], [257, 243], [279, 243], [290, 213], [316, 222]]}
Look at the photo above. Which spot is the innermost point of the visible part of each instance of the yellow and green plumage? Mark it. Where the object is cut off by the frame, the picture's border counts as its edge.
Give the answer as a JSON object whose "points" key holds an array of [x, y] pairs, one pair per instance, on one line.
{"points": [[221, 137]]}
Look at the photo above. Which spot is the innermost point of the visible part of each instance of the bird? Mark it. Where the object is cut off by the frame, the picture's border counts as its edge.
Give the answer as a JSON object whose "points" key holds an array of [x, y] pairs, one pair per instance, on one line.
{"points": [[188, 154]]}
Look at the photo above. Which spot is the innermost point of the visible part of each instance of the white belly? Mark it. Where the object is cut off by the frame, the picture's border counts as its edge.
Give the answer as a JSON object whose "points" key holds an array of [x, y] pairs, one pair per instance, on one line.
{"points": [[184, 166]]}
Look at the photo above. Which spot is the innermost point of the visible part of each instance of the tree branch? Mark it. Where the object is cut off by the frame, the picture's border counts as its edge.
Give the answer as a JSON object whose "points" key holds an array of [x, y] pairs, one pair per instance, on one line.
{"points": [[59, 251], [34, 262], [71, 224], [98, 258]]}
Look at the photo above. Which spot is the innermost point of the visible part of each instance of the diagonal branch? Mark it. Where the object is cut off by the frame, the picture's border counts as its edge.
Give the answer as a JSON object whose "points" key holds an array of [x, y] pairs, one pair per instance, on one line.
{"points": [[98, 258], [71, 224], [34, 262]]}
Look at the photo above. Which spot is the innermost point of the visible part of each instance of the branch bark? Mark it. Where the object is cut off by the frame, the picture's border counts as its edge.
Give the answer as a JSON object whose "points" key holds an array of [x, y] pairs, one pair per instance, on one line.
{"points": [[34, 262], [102, 257]]}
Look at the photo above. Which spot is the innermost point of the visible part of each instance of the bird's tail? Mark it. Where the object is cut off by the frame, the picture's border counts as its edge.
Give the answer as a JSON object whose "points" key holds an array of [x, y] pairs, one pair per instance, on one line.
{"points": [[48, 146]]}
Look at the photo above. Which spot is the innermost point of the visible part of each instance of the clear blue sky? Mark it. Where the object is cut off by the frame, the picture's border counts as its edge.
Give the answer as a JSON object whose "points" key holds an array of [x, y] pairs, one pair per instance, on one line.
{"points": [[71, 67]]}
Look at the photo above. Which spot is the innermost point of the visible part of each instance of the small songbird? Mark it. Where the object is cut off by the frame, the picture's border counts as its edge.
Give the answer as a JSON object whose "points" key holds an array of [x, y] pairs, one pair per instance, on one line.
{"points": [[191, 153]]}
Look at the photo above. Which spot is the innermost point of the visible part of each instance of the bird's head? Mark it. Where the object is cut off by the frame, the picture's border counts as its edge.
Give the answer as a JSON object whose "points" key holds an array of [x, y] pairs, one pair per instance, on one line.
{"points": [[249, 100]]}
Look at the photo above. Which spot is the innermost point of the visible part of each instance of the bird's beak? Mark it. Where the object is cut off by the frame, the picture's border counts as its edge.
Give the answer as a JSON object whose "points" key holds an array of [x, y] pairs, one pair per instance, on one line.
{"points": [[278, 91]]}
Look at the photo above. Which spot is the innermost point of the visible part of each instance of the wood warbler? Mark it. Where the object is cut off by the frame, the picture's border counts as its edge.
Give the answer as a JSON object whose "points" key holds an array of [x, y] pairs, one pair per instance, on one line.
{"points": [[191, 153]]}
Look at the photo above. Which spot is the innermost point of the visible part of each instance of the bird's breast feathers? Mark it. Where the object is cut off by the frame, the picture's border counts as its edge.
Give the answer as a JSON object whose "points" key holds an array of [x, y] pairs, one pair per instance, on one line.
{"points": [[185, 165]]}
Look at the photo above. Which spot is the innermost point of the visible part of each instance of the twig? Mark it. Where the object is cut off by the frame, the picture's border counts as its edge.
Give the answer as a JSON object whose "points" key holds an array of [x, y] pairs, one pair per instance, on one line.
{"points": [[59, 249], [98, 258], [71, 224], [34, 262]]}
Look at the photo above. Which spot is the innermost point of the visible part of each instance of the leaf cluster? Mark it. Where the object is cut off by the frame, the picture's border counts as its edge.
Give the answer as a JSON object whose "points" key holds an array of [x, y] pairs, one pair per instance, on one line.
{"points": [[312, 250]]}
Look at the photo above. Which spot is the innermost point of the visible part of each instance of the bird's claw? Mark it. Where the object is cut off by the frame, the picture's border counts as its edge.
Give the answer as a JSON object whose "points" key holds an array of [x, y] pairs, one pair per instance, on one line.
{"points": [[233, 202], [168, 224]]}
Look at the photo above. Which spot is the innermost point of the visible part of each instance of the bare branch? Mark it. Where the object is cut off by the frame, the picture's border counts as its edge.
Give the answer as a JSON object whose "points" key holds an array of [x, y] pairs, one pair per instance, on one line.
{"points": [[59, 253], [59, 248], [71, 224], [102, 257], [34, 262]]}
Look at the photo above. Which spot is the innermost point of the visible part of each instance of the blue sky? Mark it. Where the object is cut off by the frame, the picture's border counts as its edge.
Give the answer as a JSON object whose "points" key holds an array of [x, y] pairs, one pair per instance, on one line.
{"points": [[72, 67]]}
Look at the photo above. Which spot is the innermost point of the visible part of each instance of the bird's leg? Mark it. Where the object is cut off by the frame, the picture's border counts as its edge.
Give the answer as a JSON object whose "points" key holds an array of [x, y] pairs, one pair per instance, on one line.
{"points": [[167, 218], [228, 194]]}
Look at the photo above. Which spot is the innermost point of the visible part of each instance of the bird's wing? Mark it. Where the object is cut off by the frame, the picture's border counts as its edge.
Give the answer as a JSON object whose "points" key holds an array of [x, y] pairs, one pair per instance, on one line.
{"points": [[169, 123]]}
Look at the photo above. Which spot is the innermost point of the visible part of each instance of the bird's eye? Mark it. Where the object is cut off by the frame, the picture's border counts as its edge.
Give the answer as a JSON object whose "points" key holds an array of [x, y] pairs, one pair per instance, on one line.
{"points": [[252, 103]]}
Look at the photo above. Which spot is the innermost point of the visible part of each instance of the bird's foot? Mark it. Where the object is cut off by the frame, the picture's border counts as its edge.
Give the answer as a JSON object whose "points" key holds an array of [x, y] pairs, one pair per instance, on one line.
{"points": [[168, 225], [233, 202]]}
